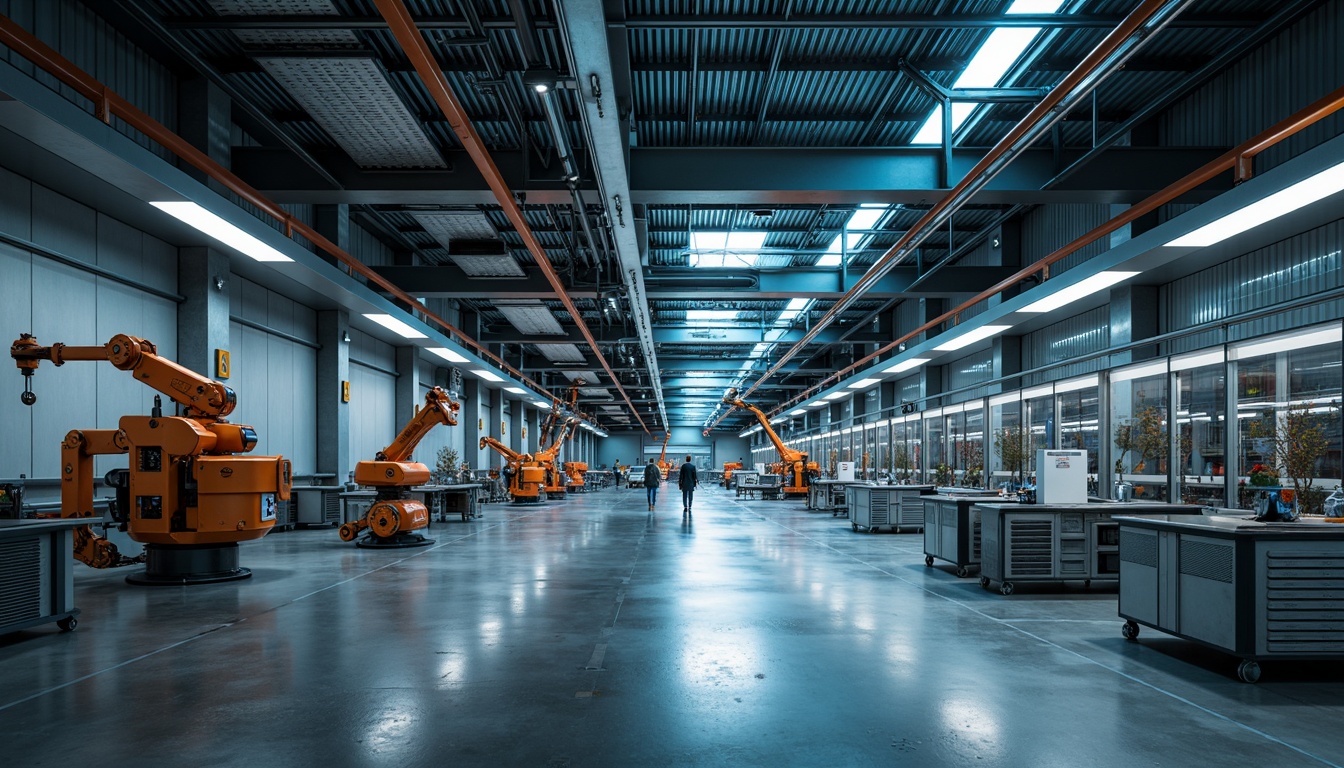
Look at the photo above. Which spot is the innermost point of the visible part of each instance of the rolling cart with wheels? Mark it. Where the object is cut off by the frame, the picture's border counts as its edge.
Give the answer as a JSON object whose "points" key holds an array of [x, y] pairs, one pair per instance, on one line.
{"points": [[1256, 591], [952, 530], [37, 583]]}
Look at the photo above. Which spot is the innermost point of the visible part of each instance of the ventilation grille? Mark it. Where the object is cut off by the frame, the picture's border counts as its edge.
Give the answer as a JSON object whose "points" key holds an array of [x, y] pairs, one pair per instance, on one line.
{"points": [[352, 101], [562, 353], [1138, 548], [20, 581], [975, 535], [313, 38], [912, 509], [532, 318], [1031, 543], [1302, 601], [1207, 561], [879, 509], [331, 506]]}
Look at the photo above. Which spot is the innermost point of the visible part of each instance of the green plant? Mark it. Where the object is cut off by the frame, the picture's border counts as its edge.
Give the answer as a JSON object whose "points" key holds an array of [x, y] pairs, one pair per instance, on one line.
{"points": [[1145, 434], [1297, 440], [942, 475], [445, 466], [1013, 446], [902, 462]]}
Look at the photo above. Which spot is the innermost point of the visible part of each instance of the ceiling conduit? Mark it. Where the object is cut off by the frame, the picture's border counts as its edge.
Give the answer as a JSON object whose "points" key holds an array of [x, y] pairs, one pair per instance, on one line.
{"points": [[584, 34], [1108, 57], [109, 104], [1237, 159], [413, 43]]}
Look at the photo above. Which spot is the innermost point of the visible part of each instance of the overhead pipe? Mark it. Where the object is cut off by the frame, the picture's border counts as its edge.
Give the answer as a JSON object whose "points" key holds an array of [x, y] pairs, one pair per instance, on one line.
{"points": [[1236, 159], [109, 104], [413, 43], [1107, 57]]}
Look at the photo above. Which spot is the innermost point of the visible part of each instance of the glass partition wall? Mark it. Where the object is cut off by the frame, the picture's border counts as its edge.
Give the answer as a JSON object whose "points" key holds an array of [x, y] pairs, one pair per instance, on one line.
{"points": [[1191, 427]]}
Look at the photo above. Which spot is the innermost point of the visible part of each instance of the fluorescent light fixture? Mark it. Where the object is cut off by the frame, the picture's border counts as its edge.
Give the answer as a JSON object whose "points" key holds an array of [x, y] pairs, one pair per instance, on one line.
{"points": [[835, 396], [706, 316], [798, 412], [1197, 360], [987, 67], [516, 390], [1268, 208], [195, 216], [906, 365], [1287, 343], [817, 403], [542, 404], [1139, 371], [864, 383], [1010, 397], [1035, 392], [488, 376], [1072, 293], [396, 326], [447, 354], [1073, 385], [972, 336]]}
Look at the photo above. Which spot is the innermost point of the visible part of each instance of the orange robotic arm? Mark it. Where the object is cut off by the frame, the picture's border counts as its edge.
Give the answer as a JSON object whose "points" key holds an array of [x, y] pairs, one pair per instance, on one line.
{"points": [[503, 450], [787, 454], [440, 408], [199, 395]]}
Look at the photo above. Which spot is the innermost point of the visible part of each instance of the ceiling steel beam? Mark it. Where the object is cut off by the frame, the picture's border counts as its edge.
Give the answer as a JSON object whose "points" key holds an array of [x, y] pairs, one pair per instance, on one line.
{"points": [[412, 42], [283, 22], [744, 176]]}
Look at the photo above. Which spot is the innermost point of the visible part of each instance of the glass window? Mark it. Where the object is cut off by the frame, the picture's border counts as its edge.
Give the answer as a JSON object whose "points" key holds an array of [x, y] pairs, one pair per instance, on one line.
{"points": [[934, 460], [973, 449], [1139, 429], [1078, 414], [1041, 420], [954, 425], [1005, 418], [1201, 430]]}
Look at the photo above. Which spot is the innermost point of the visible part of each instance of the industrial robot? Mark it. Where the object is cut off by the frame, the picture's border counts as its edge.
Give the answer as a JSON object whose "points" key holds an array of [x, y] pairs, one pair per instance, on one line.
{"points": [[546, 457], [394, 517], [524, 477], [795, 471], [664, 465], [186, 496]]}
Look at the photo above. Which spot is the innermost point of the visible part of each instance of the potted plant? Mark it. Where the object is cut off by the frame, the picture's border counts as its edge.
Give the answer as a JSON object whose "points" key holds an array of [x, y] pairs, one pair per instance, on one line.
{"points": [[1295, 439], [445, 466], [1013, 445], [903, 465]]}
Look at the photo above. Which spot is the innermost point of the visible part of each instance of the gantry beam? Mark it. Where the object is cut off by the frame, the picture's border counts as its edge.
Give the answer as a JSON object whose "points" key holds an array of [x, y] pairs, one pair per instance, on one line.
{"points": [[743, 176]]}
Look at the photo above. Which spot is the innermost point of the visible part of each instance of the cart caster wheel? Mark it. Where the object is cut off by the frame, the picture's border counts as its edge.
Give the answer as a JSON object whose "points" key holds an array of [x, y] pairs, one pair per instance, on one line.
{"points": [[1248, 671], [854, 527], [1006, 588], [984, 582], [69, 623], [963, 572], [928, 561], [1130, 631]]}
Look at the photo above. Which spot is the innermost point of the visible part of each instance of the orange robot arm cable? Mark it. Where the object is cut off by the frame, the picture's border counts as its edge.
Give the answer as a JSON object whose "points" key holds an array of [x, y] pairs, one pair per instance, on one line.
{"points": [[199, 395], [440, 408]]}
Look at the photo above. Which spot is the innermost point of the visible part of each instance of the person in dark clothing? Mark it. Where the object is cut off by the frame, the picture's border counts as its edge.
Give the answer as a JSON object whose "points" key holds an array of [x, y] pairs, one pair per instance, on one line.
{"points": [[687, 479], [653, 477]]}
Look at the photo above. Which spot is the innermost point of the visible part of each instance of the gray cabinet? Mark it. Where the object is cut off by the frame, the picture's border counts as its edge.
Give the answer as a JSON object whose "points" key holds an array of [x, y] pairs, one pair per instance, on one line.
{"points": [[37, 583], [952, 530], [874, 507], [1055, 543], [1254, 590]]}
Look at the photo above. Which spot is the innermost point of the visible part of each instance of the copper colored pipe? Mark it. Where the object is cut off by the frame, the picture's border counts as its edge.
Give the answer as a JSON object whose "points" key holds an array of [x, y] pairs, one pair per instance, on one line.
{"points": [[109, 103], [1235, 158], [417, 50], [989, 165]]}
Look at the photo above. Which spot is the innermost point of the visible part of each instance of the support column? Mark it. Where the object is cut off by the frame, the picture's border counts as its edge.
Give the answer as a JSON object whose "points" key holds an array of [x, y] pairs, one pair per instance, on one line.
{"points": [[333, 414], [471, 423], [203, 277], [507, 436], [333, 223], [533, 424], [1134, 315], [204, 115], [407, 388], [1007, 362]]}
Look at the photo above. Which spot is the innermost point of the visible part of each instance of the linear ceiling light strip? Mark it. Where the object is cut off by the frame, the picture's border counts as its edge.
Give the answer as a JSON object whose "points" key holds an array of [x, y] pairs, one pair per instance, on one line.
{"points": [[417, 50], [1238, 158], [1131, 34], [108, 103]]}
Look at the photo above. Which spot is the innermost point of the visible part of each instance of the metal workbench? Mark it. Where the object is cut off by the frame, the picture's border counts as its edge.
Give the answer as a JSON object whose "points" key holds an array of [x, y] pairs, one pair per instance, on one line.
{"points": [[37, 582], [442, 501], [952, 530], [828, 496], [1056, 542], [1254, 590], [873, 507]]}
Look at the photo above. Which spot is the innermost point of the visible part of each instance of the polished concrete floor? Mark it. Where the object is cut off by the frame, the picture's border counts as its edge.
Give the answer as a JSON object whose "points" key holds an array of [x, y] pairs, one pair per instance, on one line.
{"points": [[591, 632]]}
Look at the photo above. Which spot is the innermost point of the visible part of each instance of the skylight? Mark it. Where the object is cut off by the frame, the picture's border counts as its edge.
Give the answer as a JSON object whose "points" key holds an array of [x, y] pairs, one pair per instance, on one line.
{"points": [[795, 308], [856, 230], [726, 249], [988, 66]]}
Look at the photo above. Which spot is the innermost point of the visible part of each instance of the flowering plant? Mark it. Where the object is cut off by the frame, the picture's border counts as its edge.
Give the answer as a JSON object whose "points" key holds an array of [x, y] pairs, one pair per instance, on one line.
{"points": [[1263, 475]]}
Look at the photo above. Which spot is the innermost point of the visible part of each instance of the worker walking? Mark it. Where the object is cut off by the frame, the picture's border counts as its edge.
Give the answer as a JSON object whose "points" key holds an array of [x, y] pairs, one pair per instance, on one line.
{"points": [[653, 477], [687, 479]]}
